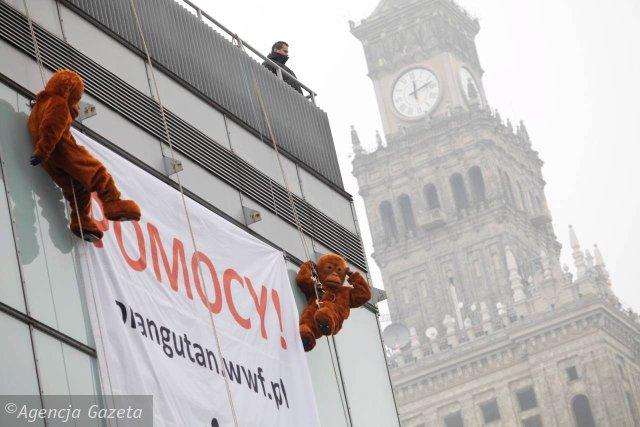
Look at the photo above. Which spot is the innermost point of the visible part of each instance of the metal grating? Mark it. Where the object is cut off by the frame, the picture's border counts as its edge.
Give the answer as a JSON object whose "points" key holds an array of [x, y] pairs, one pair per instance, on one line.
{"points": [[187, 47], [143, 111]]}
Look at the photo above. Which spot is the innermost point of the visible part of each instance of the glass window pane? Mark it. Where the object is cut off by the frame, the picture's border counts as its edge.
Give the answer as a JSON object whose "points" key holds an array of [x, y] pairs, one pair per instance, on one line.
{"points": [[490, 411], [526, 398], [454, 420], [17, 370], [363, 366], [65, 371], [46, 247], [572, 373], [534, 421], [11, 289]]}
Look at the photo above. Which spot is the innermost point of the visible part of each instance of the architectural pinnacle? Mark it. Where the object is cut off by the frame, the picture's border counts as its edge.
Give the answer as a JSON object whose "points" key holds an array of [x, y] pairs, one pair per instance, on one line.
{"points": [[578, 256], [599, 261], [522, 129], [514, 277], [450, 324], [573, 239], [600, 267], [415, 342], [546, 268], [588, 258], [497, 116], [378, 139], [355, 141]]}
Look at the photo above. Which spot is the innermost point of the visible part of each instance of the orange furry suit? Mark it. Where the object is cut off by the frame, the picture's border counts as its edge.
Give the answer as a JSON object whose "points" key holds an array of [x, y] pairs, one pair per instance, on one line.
{"points": [[70, 165], [336, 300]]}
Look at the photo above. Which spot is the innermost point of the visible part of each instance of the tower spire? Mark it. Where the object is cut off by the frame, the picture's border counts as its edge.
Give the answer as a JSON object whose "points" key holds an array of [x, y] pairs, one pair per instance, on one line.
{"points": [[588, 258], [598, 256], [578, 256], [599, 265]]}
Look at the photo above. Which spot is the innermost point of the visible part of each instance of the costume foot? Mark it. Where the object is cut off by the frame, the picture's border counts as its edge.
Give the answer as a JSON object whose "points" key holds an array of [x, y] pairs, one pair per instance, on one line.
{"points": [[308, 344], [89, 232], [308, 340], [121, 210], [324, 322], [324, 328]]}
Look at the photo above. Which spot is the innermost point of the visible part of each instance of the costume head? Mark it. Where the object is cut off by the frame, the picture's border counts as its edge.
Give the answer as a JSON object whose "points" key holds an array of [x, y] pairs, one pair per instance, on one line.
{"points": [[71, 166], [332, 270], [68, 85]]}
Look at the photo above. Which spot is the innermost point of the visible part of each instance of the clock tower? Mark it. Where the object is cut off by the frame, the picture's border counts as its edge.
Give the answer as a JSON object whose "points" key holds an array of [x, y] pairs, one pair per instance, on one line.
{"points": [[422, 60], [455, 198]]}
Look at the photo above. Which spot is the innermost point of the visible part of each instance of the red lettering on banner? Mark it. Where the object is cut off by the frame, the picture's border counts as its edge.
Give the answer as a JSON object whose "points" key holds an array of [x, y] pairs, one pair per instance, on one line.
{"points": [[199, 260], [178, 260], [141, 263], [229, 275], [276, 304], [198, 257], [261, 304]]}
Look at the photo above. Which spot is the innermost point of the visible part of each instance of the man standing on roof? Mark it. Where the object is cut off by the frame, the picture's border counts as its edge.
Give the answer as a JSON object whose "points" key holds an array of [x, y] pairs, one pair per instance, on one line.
{"points": [[280, 54]]}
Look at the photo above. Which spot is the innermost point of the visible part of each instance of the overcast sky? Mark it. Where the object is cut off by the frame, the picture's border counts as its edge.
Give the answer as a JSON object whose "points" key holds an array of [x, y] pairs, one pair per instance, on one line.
{"points": [[569, 68]]}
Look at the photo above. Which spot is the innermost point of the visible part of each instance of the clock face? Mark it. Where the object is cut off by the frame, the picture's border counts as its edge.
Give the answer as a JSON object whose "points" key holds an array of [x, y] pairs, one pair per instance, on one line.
{"points": [[415, 93], [469, 85]]}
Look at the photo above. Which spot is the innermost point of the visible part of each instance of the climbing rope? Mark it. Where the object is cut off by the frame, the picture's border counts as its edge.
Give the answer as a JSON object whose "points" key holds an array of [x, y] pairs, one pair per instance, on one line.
{"points": [[317, 285], [40, 62], [165, 125], [34, 40], [290, 198]]}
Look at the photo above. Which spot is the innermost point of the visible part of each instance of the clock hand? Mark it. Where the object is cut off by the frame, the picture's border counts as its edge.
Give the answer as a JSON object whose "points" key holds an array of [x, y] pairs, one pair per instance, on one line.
{"points": [[414, 90], [420, 88]]}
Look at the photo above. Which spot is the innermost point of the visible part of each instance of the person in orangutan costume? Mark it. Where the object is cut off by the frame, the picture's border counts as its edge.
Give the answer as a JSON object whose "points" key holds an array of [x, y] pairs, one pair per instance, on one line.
{"points": [[70, 165], [336, 300]]}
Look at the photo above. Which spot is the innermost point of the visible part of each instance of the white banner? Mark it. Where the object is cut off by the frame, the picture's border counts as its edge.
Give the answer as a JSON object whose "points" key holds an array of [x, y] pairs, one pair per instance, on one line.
{"points": [[156, 297]]}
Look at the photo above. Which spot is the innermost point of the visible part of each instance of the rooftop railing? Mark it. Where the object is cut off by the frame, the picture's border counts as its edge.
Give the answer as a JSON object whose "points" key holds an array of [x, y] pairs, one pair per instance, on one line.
{"points": [[253, 52]]}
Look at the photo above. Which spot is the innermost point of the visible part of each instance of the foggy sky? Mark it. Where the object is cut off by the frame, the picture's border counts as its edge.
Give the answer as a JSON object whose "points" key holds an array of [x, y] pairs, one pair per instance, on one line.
{"points": [[569, 68]]}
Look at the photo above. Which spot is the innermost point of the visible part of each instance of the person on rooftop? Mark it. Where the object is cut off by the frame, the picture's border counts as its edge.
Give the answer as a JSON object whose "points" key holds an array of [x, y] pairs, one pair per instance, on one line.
{"points": [[280, 54]]}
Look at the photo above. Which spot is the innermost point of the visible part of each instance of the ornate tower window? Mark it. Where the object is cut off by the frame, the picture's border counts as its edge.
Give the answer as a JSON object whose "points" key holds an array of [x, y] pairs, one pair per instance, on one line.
{"points": [[459, 191], [431, 196], [508, 189], [388, 221], [582, 411], [523, 197], [477, 184], [454, 420], [406, 211], [527, 398], [490, 411]]}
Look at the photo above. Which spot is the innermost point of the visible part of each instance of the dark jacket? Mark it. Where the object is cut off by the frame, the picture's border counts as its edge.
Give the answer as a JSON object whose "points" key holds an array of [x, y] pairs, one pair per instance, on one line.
{"points": [[281, 60]]}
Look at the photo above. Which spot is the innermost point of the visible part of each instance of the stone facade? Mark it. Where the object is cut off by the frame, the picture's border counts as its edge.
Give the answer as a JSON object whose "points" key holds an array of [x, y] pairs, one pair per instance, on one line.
{"points": [[464, 239]]}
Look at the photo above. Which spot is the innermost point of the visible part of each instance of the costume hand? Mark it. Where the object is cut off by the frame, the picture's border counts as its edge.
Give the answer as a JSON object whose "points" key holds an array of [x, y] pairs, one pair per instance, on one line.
{"points": [[34, 161]]}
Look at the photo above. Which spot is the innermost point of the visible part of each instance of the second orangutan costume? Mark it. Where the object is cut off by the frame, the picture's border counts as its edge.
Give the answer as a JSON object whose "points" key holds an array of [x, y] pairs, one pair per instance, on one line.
{"points": [[336, 300], [71, 166]]}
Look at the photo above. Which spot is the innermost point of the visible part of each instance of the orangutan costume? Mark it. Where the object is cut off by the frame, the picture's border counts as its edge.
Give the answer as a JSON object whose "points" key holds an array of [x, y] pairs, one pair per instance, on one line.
{"points": [[70, 165], [335, 299]]}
